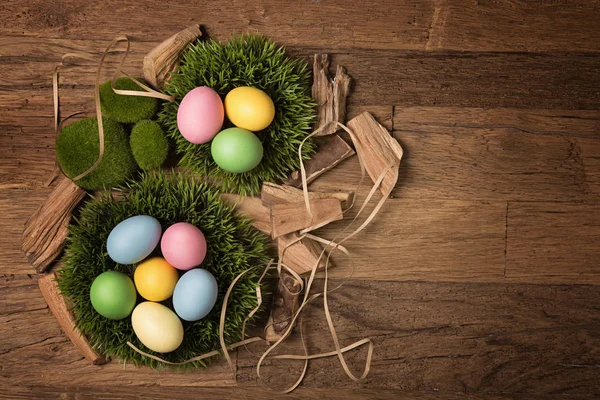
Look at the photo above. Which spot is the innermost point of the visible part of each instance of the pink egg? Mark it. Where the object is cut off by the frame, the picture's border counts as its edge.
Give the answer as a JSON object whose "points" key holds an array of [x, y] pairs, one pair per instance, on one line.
{"points": [[200, 115], [183, 246]]}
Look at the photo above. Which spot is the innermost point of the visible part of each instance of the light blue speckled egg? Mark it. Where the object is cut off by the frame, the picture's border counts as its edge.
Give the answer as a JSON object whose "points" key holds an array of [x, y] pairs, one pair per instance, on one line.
{"points": [[195, 294], [133, 239]]}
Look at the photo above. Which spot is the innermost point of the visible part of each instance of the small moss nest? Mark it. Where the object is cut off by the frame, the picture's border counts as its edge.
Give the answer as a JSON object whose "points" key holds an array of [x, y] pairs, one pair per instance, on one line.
{"points": [[246, 60], [149, 144], [126, 109], [78, 147], [233, 246]]}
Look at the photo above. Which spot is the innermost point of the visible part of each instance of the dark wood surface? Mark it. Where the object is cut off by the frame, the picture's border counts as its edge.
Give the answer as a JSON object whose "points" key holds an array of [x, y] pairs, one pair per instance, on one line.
{"points": [[479, 279]]}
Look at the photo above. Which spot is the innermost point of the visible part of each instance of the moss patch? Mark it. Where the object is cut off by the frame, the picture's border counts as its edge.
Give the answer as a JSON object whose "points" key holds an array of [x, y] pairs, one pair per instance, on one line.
{"points": [[148, 144], [78, 146], [126, 109]]}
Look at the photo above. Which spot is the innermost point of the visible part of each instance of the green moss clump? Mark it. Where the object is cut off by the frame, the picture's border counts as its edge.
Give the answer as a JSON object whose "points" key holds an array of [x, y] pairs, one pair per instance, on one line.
{"points": [[78, 147], [149, 144], [234, 246], [126, 109]]}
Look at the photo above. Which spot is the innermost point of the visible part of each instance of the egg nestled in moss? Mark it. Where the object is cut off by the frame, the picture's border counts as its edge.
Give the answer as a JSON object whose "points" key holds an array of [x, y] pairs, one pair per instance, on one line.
{"points": [[126, 109], [148, 144], [78, 147]]}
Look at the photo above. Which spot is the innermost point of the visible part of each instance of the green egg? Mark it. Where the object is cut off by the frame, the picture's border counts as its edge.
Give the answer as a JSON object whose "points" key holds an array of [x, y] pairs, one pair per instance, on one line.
{"points": [[113, 295], [236, 150]]}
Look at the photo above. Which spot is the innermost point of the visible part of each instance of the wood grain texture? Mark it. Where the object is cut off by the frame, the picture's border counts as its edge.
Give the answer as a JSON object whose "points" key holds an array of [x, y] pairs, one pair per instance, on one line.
{"points": [[550, 242], [474, 338], [495, 104], [510, 26], [431, 240]]}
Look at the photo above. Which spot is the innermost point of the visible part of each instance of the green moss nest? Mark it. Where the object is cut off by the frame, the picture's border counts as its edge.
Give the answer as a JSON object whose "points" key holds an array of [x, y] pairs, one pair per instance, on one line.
{"points": [[149, 144], [78, 146], [255, 61], [233, 246], [126, 109]]}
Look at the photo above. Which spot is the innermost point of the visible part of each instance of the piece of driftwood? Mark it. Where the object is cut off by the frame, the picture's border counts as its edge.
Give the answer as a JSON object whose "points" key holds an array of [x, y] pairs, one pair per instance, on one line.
{"points": [[164, 58], [302, 255], [272, 193], [376, 148], [329, 94], [285, 305], [47, 228], [328, 156], [58, 306], [291, 217], [252, 208]]}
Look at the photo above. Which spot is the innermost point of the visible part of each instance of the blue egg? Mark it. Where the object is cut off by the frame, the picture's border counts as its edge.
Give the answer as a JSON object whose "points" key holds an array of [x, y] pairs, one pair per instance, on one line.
{"points": [[134, 239], [195, 294]]}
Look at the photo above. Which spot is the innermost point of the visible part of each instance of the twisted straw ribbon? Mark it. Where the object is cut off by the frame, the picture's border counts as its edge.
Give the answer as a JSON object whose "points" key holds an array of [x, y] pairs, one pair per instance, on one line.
{"points": [[148, 92]]}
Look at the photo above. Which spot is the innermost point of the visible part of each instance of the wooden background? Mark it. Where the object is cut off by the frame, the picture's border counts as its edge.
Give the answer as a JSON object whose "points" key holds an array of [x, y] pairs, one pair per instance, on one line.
{"points": [[478, 280]]}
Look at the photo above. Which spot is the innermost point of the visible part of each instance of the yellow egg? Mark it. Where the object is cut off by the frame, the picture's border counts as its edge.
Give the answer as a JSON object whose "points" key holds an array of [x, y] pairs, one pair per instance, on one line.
{"points": [[157, 327], [249, 108], [155, 279]]}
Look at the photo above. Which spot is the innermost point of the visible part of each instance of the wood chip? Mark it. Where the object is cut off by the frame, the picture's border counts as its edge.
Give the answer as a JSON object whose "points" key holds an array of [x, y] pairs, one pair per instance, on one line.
{"points": [[291, 217], [329, 94], [328, 156], [58, 306], [47, 228], [164, 58], [252, 208], [300, 256], [285, 305], [276, 194], [376, 148]]}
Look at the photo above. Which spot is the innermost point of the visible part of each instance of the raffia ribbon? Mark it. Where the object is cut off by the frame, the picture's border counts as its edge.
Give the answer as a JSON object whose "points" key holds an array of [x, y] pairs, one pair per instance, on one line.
{"points": [[148, 92]]}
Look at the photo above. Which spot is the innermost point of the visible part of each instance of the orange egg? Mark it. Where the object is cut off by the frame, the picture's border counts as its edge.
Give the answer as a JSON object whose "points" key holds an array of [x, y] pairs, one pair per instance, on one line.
{"points": [[155, 279]]}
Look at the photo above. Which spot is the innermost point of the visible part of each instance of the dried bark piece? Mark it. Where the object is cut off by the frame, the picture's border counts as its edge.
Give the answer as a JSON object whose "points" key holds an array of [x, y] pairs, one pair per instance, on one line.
{"points": [[330, 95], [47, 228], [164, 58], [252, 208], [300, 256], [276, 194], [58, 306], [291, 217], [376, 148], [329, 155], [285, 305]]}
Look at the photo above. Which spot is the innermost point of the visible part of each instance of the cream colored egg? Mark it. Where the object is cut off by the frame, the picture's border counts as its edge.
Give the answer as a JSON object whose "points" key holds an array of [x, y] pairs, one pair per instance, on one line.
{"points": [[157, 327]]}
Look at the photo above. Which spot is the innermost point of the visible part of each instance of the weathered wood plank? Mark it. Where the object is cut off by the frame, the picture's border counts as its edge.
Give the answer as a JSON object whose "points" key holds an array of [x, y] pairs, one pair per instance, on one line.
{"points": [[497, 154], [389, 24], [475, 338], [63, 392], [429, 240], [553, 242], [403, 78]]}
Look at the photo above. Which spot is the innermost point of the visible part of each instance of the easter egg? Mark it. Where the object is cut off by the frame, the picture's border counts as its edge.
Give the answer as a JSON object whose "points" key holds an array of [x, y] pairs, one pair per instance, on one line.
{"points": [[155, 279], [236, 150], [157, 327], [195, 294], [113, 295], [133, 239], [249, 108], [200, 115], [183, 246]]}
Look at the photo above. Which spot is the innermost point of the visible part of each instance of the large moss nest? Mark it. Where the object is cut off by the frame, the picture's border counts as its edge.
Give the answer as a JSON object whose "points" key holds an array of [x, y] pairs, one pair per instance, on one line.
{"points": [[254, 61], [233, 247], [78, 147]]}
